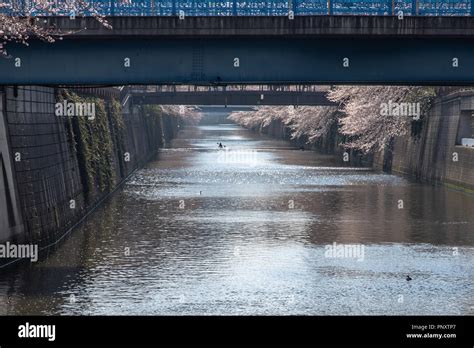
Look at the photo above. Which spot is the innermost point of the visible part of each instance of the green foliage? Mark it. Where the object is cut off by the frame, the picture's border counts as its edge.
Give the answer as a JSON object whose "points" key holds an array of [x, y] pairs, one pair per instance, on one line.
{"points": [[153, 119], [118, 130], [152, 111], [93, 143], [425, 96]]}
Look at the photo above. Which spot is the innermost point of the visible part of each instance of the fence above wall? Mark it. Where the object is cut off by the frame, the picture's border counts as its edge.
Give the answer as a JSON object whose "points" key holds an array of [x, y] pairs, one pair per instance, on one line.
{"points": [[244, 8]]}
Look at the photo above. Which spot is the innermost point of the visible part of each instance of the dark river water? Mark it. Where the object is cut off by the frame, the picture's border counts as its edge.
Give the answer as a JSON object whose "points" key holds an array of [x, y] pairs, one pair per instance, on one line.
{"points": [[249, 230]]}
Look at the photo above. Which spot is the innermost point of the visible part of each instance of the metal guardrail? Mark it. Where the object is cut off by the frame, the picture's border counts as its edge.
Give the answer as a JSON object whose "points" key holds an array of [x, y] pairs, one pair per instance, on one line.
{"points": [[247, 8], [226, 88]]}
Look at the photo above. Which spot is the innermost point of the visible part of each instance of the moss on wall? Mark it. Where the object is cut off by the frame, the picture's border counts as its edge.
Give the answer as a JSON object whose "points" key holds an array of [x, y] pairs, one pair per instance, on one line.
{"points": [[94, 144], [153, 116], [118, 131]]}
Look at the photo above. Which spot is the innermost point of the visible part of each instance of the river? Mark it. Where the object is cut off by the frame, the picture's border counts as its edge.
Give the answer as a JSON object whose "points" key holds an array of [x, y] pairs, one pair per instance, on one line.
{"points": [[248, 230]]}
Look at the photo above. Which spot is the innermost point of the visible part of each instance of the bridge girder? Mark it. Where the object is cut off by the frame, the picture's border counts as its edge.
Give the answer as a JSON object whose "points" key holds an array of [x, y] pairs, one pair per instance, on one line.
{"points": [[237, 60]]}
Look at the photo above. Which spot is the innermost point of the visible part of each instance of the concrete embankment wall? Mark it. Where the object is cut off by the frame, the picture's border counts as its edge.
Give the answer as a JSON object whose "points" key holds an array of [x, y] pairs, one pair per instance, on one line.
{"points": [[436, 154], [11, 218], [54, 170]]}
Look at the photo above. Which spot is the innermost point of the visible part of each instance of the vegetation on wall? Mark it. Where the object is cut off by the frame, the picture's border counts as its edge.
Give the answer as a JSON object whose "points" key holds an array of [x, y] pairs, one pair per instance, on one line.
{"points": [[118, 131], [165, 121], [93, 144], [100, 142]]}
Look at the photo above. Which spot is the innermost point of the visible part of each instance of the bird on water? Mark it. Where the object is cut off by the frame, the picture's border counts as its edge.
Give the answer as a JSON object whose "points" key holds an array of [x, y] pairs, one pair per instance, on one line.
{"points": [[408, 278]]}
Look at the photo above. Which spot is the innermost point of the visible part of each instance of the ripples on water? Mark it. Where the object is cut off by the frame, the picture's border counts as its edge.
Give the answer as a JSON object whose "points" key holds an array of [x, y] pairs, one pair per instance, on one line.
{"points": [[244, 230]]}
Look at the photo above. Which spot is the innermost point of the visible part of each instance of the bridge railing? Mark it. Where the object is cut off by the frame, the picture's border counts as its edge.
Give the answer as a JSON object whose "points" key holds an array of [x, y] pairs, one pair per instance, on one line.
{"points": [[227, 88], [243, 8]]}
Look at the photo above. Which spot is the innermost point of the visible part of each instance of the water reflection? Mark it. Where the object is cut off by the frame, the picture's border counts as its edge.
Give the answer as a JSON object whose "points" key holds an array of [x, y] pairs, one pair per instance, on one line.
{"points": [[196, 232]]}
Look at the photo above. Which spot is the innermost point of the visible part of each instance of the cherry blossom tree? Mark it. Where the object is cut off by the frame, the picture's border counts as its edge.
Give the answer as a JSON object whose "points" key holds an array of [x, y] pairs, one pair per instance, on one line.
{"points": [[359, 115], [20, 20], [368, 128], [189, 114], [311, 122], [259, 117]]}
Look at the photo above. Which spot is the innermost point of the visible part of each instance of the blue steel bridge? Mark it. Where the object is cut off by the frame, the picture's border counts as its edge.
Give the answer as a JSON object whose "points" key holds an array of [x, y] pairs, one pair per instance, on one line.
{"points": [[249, 42], [253, 7]]}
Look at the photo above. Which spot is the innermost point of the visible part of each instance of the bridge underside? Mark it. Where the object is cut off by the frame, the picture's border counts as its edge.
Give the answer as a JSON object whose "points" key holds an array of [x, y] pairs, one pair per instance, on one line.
{"points": [[242, 60]]}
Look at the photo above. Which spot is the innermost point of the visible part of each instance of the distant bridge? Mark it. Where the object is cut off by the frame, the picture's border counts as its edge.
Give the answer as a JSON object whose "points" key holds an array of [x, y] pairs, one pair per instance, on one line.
{"points": [[229, 97]]}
